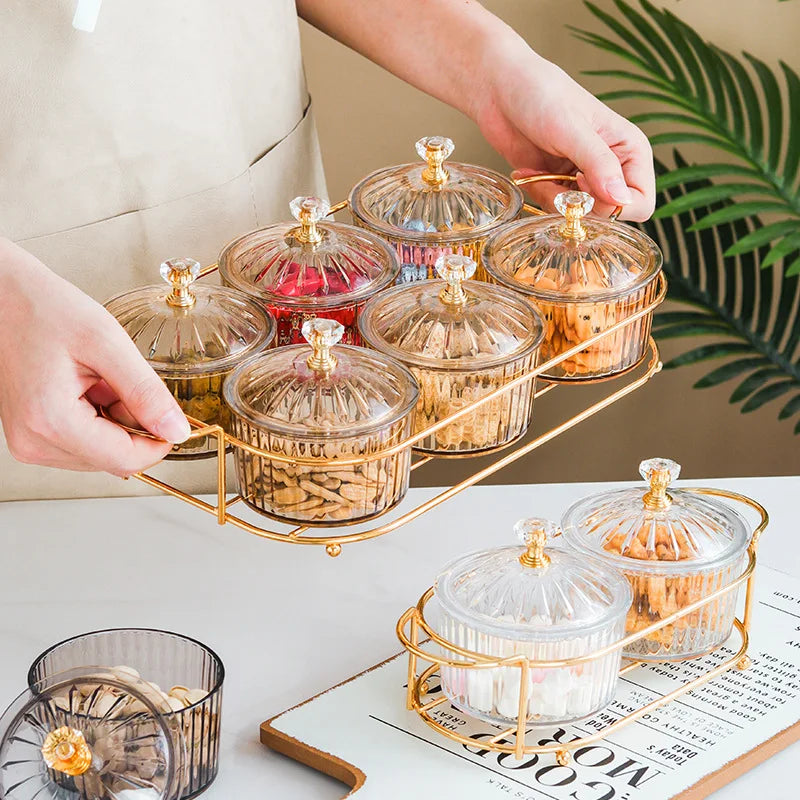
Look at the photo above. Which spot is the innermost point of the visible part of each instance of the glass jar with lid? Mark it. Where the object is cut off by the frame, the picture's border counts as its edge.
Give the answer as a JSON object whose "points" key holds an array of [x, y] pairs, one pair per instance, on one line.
{"points": [[83, 729], [462, 340], [436, 207], [309, 267], [536, 600], [321, 402], [584, 274], [675, 547], [193, 335]]}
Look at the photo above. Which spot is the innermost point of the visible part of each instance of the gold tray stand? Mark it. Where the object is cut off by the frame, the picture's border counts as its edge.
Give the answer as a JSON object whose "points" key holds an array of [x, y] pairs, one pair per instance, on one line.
{"points": [[333, 541], [412, 627]]}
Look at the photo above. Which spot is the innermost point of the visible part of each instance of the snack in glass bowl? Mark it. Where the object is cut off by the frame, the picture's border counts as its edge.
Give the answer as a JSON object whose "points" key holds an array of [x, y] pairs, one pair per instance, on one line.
{"points": [[584, 274]]}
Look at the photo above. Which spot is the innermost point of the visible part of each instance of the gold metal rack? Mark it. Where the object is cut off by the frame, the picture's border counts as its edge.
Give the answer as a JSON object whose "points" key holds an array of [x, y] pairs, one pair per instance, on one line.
{"points": [[334, 538], [416, 633]]}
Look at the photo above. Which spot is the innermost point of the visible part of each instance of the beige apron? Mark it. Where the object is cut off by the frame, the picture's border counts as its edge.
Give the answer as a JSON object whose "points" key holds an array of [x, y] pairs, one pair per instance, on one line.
{"points": [[173, 127]]}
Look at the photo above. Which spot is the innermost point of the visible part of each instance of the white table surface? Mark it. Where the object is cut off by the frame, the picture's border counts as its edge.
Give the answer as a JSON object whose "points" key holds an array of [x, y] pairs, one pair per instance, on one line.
{"points": [[287, 621]]}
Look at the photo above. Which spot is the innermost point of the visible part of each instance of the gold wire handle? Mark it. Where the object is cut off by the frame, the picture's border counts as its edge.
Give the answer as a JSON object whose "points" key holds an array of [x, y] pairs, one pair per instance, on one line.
{"points": [[196, 424], [547, 178]]}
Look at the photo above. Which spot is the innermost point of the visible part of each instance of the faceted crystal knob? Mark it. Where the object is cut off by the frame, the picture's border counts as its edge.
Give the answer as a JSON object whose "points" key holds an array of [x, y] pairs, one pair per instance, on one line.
{"points": [[534, 528], [322, 335], [180, 273], [326, 332], [309, 209], [581, 202], [662, 469], [439, 146], [659, 473], [454, 268], [534, 534]]}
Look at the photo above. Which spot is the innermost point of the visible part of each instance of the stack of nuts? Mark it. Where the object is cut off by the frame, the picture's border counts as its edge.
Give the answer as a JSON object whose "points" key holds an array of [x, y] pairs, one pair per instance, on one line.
{"points": [[317, 494], [569, 323], [105, 703], [491, 424]]}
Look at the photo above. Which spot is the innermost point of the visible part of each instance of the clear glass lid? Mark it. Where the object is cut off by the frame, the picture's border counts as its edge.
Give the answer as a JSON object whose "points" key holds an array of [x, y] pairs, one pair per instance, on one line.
{"points": [[453, 323], [320, 389], [655, 527], [309, 261], [436, 200], [90, 734], [534, 591], [185, 328], [585, 258]]}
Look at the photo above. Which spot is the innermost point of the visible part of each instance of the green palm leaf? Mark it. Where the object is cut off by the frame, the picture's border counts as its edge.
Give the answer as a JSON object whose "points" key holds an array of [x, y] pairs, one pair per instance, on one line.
{"points": [[736, 105], [730, 299]]}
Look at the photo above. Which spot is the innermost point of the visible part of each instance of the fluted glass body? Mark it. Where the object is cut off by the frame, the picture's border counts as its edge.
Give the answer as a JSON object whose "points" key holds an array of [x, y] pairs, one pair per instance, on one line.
{"points": [[570, 322], [166, 659], [656, 595], [494, 424], [556, 695], [327, 494]]}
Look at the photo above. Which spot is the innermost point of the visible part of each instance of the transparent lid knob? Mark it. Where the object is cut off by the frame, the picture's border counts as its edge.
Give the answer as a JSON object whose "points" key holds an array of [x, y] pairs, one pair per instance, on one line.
{"points": [[581, 202], [309, 211], [322, 334], [180, 273], [454, 269], [534, 533], [311, 208], [435, 147]]}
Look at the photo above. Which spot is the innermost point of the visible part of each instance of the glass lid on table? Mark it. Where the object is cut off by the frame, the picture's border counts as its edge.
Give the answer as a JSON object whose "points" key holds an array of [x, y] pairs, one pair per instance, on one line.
{"points": [[656, 527], [452, 323], [435, 199], [570, 253], [91, 733], [186, 328], [309, 260]]}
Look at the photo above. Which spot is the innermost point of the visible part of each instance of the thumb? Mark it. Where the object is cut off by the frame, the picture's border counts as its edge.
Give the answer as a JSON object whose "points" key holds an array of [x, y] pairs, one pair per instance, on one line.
{"points": [[116, 360], [601, 167]]}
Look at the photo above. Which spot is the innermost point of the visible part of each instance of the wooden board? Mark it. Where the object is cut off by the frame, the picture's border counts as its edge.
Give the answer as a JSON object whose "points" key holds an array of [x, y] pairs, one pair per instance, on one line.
{"points": [[360, 733]]}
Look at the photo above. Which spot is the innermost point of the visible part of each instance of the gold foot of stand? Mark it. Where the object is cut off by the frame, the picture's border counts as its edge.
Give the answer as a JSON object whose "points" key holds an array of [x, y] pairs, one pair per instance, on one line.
{"points": [[334, 538], [425, 645]]}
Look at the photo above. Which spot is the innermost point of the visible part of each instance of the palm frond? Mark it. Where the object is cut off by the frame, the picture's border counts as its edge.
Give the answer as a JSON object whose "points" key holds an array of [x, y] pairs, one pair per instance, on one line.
{"points": [[711, 97], [748, 315]]}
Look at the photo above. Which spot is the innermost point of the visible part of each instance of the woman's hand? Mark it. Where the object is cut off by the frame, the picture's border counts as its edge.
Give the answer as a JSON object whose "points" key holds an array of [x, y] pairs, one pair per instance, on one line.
{"points": [[61, 356], [529, 110], [541, 120]]}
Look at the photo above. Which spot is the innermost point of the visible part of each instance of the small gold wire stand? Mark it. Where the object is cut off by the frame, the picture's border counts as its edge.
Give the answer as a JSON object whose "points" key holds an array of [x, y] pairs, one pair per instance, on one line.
{"points": [[425, 645], [333, 538]]}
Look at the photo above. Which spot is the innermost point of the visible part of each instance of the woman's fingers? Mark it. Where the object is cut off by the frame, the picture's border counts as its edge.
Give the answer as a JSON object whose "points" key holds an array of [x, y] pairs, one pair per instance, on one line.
{"points": [[106, 446], [117, 361]]}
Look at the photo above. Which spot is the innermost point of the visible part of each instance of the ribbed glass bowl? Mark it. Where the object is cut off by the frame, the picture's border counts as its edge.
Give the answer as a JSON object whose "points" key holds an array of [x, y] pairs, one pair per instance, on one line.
{"points": [[167, 659]]}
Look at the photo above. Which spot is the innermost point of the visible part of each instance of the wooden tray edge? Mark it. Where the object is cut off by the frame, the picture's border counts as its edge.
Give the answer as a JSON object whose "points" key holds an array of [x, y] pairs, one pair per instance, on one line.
{"points": [[352, 776], [327, 763]]}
